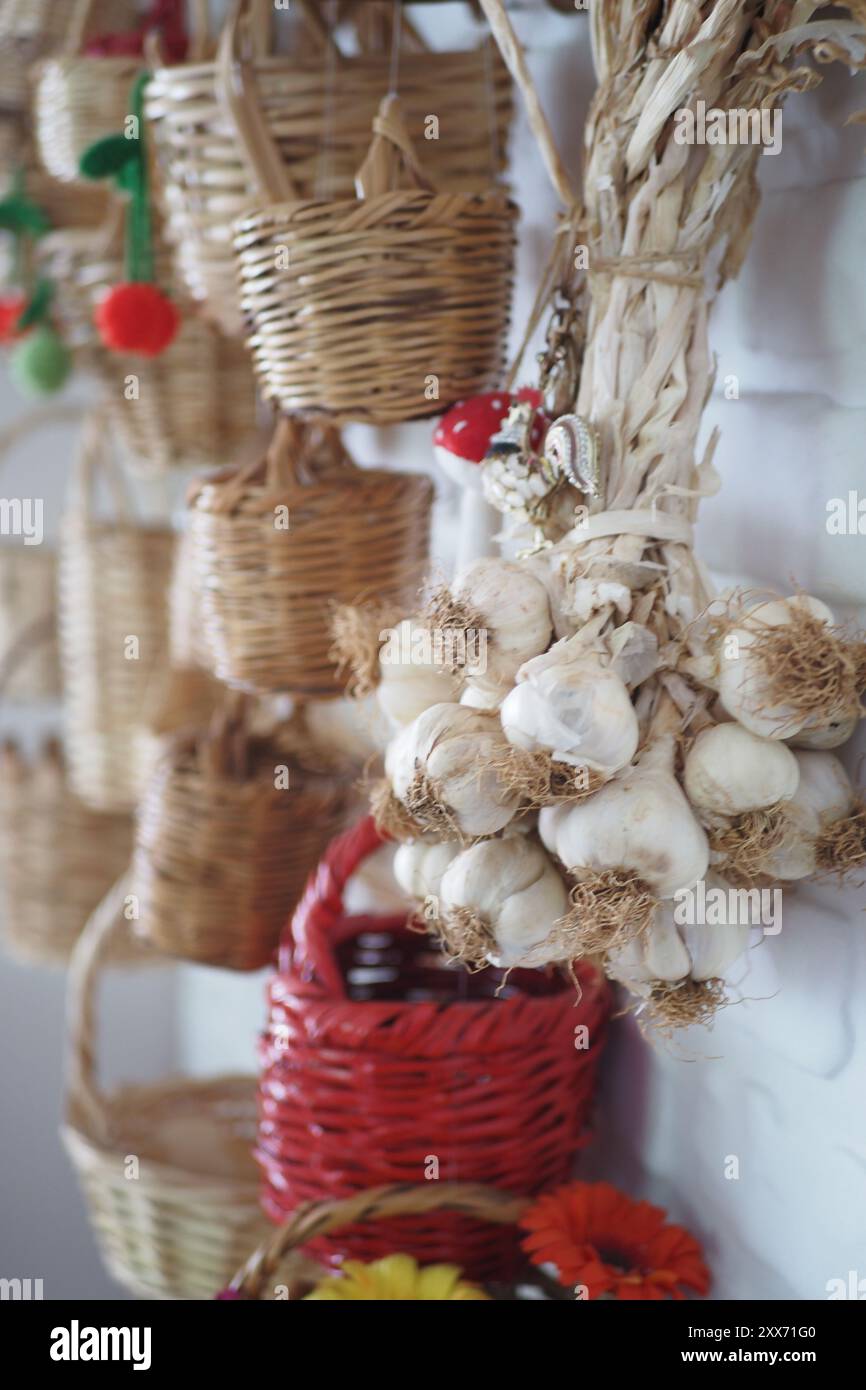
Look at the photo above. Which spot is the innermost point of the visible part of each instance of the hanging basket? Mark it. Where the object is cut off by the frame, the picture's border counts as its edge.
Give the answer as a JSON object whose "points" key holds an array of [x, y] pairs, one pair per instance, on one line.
{"points": [[318, 104], [228, 831], [57, 858], [78, 99], [381, 308], [65, 206], [194, 405], [275, 544], [113, 581], [30, 29], [380, 1059], [182, 1227], [278, 1269]]}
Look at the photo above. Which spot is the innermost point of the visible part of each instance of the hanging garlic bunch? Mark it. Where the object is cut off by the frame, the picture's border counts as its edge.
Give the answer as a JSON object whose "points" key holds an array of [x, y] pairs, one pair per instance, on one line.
{"points": [[409, 679], [784, 671], [420, 864], [495, 616], [678, 969], [446, 773], [572, 712], [500, 902], [633, 843]]}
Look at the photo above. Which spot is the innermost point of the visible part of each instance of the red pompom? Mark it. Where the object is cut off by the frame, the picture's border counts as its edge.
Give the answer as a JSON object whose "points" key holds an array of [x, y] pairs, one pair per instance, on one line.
{"points": [[12, 306], [136, 318]]}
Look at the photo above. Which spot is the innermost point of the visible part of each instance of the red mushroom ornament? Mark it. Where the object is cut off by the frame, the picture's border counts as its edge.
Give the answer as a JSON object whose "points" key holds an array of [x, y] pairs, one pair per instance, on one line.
{"points": [[460, 442]]}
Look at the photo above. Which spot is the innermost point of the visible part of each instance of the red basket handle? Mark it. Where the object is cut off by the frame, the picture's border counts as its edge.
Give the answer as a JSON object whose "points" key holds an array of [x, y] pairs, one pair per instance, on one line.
{"points": [[308, 944]]}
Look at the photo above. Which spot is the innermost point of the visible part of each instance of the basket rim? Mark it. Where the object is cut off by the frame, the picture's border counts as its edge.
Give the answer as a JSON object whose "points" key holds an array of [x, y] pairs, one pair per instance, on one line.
{"points": [[499, 194]]}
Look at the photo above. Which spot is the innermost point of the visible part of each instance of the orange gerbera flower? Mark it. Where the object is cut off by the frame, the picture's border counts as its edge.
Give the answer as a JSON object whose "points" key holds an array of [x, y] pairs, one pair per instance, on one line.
{"points": [[598, 1237]]}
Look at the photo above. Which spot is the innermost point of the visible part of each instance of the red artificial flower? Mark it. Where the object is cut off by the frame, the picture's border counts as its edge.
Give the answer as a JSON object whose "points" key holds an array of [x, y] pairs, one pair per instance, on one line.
{"points": [[136, 317], [598, 1237], [12, 306]]}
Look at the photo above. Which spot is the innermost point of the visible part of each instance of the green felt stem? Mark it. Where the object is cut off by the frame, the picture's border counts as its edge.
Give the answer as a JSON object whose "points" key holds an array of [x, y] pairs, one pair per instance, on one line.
{"points": [[140, 266]]}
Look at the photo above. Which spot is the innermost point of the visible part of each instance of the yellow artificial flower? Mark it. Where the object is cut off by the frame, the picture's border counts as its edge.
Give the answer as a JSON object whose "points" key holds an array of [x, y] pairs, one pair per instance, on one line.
{"points": [[397, 1278]]}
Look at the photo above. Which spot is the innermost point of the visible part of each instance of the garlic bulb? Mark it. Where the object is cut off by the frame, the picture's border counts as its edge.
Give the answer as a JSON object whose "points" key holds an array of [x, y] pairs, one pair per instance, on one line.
{"points": [[508, 606], [419, 866], [501, 900], [446, 769], [639, 823], [354, 728], [409, 680], [824, 796], [668, 952], [751, 688], [578, 712], [729, 770], [831, 735]]}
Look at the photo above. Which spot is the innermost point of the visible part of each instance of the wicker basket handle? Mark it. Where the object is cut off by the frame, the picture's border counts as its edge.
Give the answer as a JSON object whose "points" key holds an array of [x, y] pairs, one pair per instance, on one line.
{"points": [[309, 943], [237, 92], [78, 26], [36, 420], [85, 1102], [94, 458], [391, 159], [315, 1219]]}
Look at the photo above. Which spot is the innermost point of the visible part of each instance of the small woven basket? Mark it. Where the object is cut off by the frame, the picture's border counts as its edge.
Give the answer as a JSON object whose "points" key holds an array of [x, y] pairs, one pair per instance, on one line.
{"points": [[276, 544], [83, 205], [113, 582], [79, 99], [30, 29], [278, 1269], [318, 103], [183, 1226], [57, 857], [380, 1057], [228, 831], [193, 406], [381, 308]]}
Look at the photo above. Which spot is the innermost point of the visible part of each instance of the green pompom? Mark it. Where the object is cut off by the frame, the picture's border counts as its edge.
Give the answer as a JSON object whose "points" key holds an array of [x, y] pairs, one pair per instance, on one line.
{"points": [[40, 365]]}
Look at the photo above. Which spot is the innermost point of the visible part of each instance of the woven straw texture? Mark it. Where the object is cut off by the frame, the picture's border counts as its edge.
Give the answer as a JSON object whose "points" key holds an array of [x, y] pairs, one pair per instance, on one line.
{"points": [[276, 1261], [378, 1055], [381, 308], [57, 858], [30, 29], [184, 1225], [195, 404], [113, 581], [318, 108], [275, 545], [224, 847]]}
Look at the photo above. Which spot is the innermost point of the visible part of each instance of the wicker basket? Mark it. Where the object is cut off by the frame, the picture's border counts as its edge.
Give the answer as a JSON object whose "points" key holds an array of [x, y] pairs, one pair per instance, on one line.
{"points": [[224, 847], [379, 1057], [277, 543], [319, 109], [279, 1269], [57, 858], [79, 99], [181, 1229], [30, 29], [193, 406], [113, 583], [381, 308], [65, 205]]}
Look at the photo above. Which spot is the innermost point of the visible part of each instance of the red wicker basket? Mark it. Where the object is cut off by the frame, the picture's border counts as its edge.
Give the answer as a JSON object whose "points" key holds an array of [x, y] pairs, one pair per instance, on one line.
{"points": [[380, 1056]]}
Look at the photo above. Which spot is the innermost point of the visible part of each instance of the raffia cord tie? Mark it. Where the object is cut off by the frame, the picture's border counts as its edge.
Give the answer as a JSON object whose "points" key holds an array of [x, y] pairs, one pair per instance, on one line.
{"points": [[643, 267]]}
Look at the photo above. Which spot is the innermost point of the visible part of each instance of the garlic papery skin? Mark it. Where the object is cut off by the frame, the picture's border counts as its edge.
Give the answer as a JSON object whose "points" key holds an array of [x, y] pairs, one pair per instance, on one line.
{"points": [[746, 677], [445, 767], [578, 712], [729, 770], [509, 607], [355, 729], [511, 894], [824, 796], [409, 680], [419, 866], [639, 823], [832, 735]]}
